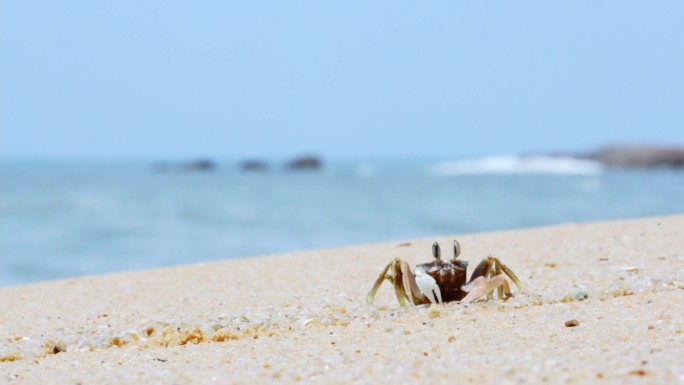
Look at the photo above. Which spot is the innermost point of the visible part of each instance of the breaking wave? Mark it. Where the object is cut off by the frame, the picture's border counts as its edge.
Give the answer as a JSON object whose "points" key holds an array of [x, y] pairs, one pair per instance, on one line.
{"points": [[518, 165]]}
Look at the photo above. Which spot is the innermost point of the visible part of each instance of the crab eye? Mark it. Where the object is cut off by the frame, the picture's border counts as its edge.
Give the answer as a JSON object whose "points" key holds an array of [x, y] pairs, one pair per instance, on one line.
{"points": [[436, 252], [457, 249]]}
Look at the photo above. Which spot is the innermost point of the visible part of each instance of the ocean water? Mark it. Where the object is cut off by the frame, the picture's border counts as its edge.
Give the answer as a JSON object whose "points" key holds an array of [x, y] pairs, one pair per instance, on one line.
{"points": [[70, 219]]}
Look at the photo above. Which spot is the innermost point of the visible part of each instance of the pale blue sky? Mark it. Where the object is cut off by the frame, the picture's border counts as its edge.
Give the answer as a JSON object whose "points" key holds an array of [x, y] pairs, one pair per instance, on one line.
{"points": [[398, 79]]}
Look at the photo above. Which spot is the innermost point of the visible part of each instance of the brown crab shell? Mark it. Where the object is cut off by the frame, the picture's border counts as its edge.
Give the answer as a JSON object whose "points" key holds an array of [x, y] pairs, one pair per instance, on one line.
{"points": [[450, 277]]}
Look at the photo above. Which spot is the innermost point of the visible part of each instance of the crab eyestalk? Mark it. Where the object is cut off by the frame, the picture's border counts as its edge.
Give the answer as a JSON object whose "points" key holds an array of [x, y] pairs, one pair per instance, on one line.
{"points": [[457, 251], [437, 253]]}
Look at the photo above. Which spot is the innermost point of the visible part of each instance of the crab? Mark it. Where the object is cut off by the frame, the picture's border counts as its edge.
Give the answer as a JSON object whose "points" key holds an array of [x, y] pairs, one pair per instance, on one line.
{"points": [[439, 281]]}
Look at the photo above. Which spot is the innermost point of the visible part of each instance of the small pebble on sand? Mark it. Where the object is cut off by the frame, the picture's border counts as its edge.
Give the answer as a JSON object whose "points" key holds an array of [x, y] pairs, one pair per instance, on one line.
{"points": [[572, 323]]}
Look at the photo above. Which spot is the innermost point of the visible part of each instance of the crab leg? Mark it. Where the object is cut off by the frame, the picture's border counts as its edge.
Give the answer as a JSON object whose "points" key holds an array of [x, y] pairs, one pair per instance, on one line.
{"points": [[410, 286], [398, 282], [484, 269], [399, 273], [492, 266], [482, 286], [481, 270], [509, 273], [497, 272], [407, 285], [371, 294]]}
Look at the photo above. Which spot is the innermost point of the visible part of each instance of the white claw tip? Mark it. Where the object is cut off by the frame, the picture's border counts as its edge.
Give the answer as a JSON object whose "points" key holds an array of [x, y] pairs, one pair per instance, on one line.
{"points": [[428, 285]]}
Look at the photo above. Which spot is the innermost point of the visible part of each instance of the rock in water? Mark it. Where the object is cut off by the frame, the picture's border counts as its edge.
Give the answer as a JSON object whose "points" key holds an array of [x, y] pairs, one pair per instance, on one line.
{"points": [[198, 165], [305, 163], [639, 156], [253, 165]]}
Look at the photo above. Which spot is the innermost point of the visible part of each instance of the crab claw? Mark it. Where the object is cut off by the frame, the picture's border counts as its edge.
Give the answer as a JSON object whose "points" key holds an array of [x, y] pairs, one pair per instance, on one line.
{"points": [[428, 285]]}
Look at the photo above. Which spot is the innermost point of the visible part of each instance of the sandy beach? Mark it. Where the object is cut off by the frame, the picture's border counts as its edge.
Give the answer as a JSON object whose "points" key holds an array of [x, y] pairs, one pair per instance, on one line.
{"points": [[302, 317]]}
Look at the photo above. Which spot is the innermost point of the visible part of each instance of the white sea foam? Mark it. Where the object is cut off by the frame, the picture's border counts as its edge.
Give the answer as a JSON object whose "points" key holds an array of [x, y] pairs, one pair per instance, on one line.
{"points": [[518, 165]]}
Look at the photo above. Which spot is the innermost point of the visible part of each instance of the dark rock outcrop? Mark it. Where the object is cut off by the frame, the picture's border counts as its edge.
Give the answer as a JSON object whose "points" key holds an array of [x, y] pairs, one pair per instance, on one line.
{"points": [[254, 165], [308, 162], [639, 156], [198, 165]]}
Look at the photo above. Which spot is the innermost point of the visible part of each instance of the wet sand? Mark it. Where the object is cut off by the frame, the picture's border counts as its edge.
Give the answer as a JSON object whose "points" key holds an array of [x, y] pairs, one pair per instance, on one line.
{"points": [[302, 317]]}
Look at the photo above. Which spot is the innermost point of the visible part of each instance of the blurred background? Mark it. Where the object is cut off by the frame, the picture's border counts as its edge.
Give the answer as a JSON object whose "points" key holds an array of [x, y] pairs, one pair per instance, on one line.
{"points": [[143, 134]]}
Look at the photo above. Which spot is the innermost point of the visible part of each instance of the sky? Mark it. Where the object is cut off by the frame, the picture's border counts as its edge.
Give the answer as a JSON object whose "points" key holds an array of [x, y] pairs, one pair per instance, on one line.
{"points": [[346, 79]]}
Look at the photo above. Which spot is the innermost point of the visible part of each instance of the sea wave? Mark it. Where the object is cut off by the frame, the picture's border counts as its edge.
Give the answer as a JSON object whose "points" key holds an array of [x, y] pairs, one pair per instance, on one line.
{"points": [[366, 171], [518, 165]]}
